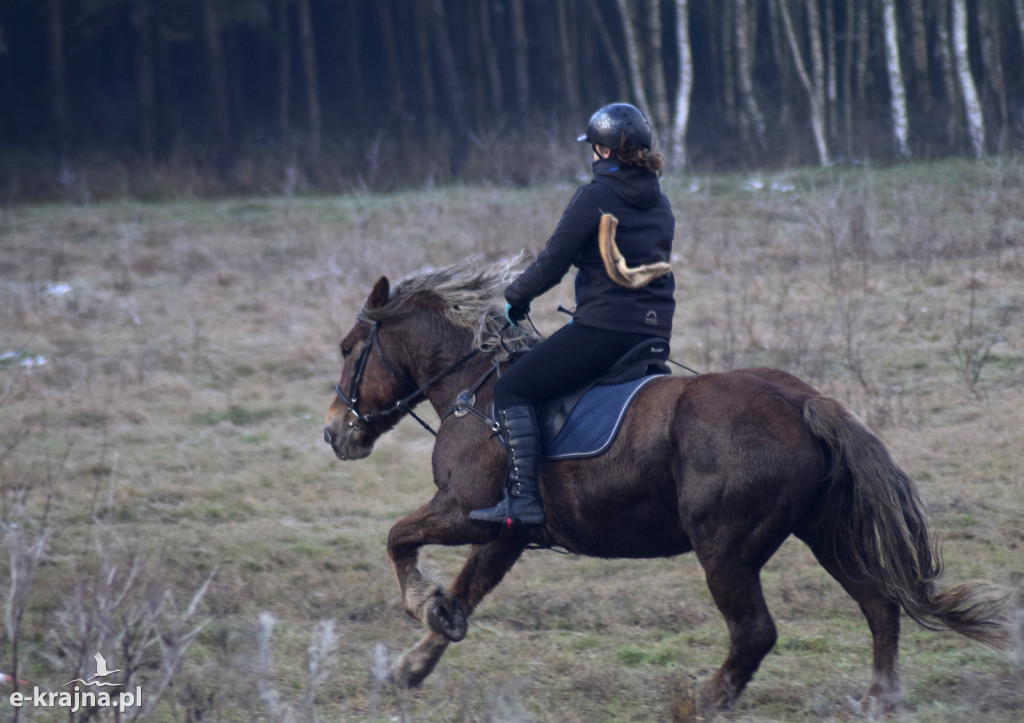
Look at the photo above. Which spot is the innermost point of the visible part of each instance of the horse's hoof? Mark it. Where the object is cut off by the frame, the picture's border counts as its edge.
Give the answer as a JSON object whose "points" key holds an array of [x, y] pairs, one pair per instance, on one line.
{"points": [[446, 616]]}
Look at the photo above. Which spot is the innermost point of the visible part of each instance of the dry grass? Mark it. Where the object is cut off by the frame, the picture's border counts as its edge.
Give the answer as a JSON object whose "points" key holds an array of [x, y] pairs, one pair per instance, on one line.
{"points": [[190, 352]]}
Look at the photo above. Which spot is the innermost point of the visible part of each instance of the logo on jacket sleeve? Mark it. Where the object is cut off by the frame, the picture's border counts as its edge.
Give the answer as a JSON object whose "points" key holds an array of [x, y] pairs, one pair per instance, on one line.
{"points": [[651, 318]]}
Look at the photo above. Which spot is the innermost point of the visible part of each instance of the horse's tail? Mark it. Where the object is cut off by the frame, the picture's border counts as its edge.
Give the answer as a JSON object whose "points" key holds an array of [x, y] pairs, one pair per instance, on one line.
{"points": [[882, 529]]}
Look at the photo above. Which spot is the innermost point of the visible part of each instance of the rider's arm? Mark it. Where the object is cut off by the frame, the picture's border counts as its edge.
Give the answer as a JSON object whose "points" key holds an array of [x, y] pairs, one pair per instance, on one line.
{"points": [[578, 226]]}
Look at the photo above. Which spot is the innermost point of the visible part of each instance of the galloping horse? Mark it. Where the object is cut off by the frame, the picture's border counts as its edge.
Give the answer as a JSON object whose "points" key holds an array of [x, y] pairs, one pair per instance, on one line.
{"points": [[725, 465]]}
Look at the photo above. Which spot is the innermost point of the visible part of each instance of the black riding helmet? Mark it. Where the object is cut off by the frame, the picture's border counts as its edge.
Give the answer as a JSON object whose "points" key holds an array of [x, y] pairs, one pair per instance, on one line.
{"points": [[620, 127]]}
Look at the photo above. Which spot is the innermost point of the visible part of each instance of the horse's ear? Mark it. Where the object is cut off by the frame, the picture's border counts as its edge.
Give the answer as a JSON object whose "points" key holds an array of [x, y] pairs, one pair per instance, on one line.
{"points": [[379, 296]]}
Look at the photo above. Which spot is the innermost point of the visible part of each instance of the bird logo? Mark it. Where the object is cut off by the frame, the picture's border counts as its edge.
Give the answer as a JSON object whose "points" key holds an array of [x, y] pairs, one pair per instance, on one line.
{"points": [[101, 672]]}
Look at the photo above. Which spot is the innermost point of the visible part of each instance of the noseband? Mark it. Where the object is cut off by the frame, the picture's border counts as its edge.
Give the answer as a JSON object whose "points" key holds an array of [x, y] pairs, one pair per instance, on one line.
{"points": [[351, 399]]}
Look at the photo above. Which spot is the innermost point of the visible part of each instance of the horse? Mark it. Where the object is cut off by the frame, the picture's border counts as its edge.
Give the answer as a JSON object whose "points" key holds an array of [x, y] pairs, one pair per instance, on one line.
{"points": [[725, 465]]}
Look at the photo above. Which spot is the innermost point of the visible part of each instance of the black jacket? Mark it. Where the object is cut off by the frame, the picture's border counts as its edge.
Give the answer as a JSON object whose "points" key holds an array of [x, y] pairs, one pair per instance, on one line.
{"points": [[644, 235]]}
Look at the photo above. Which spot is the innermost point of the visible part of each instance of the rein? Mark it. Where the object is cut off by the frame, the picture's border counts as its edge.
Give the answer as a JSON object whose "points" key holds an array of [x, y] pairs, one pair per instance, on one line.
{"points": [[404, 404]]}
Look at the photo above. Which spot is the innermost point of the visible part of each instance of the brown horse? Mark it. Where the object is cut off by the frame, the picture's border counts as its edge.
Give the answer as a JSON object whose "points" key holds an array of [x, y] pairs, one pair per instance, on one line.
{"points": [[725, 465]]}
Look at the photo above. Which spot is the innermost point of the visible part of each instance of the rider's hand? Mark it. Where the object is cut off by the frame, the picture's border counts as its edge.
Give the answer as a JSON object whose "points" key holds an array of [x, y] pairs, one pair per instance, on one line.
{"points": [[517, 313]]}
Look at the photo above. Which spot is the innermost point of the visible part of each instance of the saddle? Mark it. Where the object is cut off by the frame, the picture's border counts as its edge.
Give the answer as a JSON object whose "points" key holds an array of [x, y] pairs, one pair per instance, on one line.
{"points": [[642, 362], [584, 421]]}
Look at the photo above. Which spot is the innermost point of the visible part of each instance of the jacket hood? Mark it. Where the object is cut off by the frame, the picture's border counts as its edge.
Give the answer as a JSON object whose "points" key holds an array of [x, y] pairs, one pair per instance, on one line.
{"points": [[636, 186]]}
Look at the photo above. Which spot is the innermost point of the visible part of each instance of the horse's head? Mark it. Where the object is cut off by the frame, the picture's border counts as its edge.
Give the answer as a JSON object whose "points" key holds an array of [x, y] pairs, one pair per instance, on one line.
{"points": [[410, 339], [370, 384]]}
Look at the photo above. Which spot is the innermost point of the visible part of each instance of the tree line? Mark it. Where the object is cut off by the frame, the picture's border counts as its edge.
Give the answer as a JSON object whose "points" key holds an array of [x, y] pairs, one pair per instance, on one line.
{"points": [[360, 84]]}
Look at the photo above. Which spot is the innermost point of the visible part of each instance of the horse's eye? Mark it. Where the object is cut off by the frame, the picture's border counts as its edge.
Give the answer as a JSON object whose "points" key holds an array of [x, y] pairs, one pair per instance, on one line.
{"points": [[345, 351]]}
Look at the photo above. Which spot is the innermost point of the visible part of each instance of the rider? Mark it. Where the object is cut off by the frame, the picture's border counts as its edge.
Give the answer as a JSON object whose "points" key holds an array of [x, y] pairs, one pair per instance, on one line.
{"points": [[609, 319]]}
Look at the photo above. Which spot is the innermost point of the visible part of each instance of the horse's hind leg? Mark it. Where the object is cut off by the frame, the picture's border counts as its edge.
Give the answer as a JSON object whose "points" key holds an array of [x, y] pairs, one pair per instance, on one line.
{"points": [[736, 590], [883, 616]]}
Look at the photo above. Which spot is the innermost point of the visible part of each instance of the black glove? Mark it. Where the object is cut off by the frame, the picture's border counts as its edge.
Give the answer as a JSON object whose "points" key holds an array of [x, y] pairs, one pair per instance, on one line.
{"points": [[516, 313]]}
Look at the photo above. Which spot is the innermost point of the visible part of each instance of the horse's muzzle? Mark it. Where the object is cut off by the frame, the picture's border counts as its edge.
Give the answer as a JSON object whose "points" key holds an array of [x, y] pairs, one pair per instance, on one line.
{"points": [[344, 446]]}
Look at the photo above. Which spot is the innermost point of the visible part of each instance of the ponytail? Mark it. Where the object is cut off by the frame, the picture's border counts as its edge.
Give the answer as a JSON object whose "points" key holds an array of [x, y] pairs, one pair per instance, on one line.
{"points": [[642, 157]]}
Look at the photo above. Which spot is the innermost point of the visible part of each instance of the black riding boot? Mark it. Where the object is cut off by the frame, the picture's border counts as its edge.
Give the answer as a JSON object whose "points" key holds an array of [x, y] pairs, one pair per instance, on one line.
{"points": [[522, 497]]}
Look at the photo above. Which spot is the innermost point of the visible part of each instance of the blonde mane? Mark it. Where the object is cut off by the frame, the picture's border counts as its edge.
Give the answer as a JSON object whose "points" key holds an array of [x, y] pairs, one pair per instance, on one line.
{"points": [[472, 300]]}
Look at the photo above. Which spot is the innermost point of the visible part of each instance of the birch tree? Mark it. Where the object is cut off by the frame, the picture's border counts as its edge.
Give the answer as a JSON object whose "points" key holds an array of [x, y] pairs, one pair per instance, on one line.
{"points": [[972, 106], [654, 65], [815, 90], [1018, 6], [682, 112], [633, 59], [897, 94]]}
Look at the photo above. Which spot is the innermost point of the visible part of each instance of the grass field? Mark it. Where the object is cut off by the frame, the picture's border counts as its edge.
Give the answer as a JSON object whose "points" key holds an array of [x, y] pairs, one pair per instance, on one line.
{"points": [[168, 500]]}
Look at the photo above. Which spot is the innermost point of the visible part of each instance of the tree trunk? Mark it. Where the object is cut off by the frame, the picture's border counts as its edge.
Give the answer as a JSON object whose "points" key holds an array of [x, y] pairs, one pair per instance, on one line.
{"points": [[682, 114], [847, 84], [1018, 6], [494, 80], [864, 50], [726, 58], [284, 72], [311, 77], [394, 65], [452, 87], [219, 89], [655, 64], [831, 93], [354, 64], [567, 60], [897, 94], [919, 33], [745, 60], [948, 75], [425, 69], [991, 46], [972, 106], [817, 63], [146, 84], [520, 56], [784, 114], [633, 59], [815, 90], [611, 54], [58, 76], [476, 45]]}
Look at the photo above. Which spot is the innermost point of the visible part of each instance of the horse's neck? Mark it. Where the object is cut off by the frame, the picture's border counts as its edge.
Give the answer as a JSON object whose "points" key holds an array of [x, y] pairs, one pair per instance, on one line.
{"points": [[477, 372]]}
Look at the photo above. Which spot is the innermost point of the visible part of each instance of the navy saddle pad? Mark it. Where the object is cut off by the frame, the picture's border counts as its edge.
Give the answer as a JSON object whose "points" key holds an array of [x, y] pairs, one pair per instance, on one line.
{"points": [[593, 423], [584, 422]]}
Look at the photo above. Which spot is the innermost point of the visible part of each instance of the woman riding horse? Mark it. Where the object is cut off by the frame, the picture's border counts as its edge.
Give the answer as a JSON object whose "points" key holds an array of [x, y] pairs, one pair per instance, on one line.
{"points": [[610, 318]]}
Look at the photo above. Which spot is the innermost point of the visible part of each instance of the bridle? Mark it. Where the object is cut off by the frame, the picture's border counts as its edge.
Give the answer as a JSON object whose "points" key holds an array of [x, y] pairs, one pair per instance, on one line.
{"points": [[404, 404]]}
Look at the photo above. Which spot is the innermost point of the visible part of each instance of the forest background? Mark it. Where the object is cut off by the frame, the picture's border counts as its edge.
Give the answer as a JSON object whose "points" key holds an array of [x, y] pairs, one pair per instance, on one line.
{"points": [[156, 98]]}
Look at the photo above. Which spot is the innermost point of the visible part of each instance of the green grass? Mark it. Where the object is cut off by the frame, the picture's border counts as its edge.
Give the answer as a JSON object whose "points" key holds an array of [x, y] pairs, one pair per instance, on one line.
{"points": [[177, 422]]}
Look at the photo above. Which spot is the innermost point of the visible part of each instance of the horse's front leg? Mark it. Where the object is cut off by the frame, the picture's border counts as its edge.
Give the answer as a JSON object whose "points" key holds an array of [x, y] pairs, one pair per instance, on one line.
{"points": [[426, 600], [445, 615]]}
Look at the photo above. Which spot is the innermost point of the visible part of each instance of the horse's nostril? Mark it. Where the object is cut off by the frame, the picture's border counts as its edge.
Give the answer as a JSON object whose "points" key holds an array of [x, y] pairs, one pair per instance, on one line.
{"points": [[329, 436]]}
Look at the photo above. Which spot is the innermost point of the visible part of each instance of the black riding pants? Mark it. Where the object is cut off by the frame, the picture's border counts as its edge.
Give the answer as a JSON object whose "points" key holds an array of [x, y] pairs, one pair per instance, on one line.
{"points": [[573, 356]]}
